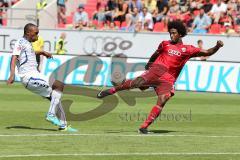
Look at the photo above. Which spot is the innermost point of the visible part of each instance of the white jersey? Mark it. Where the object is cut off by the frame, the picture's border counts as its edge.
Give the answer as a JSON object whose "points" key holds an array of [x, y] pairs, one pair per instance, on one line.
{"points": [[26, 57]]}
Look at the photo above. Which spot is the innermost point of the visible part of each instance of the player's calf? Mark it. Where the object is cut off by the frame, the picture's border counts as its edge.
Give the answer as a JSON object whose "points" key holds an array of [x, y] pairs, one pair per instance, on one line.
{"points": [[128, 84]]}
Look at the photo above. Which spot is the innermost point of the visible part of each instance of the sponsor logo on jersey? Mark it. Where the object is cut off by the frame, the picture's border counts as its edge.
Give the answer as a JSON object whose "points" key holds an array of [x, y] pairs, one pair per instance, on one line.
{"points": [[184, 49], [172, 52]]}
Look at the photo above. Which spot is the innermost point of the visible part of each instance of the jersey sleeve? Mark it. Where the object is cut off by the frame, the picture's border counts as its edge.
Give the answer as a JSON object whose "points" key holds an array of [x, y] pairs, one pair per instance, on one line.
{"points": [[193, 51], [17, 48], [161, 45], [41, 41]]}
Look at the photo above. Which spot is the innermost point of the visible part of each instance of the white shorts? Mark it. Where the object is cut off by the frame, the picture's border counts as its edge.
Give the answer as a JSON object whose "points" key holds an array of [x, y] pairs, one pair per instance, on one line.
{"points": [[37, 83]]}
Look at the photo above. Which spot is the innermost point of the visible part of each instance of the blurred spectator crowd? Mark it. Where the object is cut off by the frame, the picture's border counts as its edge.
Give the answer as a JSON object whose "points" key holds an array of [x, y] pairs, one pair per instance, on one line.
{"points": [[4, 4], [200, 16]]}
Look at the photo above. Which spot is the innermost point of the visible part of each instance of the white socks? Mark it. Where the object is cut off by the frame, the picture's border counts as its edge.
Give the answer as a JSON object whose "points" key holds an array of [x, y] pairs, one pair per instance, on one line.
{"points": [[56, 98], [61, 114]]}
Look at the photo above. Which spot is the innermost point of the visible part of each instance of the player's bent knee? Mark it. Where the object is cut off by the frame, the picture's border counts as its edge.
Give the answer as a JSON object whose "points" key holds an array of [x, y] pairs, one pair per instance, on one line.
{"points": [[57, 85], [162, 99]]}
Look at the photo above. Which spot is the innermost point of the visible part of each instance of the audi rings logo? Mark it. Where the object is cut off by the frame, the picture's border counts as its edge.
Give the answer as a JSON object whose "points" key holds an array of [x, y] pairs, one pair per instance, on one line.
{"points": [[172, 52], [105, 45]]}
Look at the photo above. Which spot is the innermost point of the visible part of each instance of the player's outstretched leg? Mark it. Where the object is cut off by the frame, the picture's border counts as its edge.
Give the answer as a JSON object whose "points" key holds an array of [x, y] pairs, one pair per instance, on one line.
{"points": [[55, 100], [155, 112], [51, 115], [128, 84], [63, 121]]}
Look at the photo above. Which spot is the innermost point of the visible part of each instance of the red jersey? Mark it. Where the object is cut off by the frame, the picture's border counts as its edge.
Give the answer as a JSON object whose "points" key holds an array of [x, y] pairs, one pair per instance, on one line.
{"points": [[174, 56]]}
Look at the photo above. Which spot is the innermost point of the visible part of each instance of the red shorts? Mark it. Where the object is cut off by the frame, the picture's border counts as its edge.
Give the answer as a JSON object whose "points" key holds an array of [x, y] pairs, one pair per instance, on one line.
{"points": [[160, 79]]}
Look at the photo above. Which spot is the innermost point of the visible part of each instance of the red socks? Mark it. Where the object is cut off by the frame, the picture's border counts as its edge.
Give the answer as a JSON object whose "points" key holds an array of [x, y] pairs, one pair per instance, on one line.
{"points": [[124, 86], [156, 110], [112, 90]]}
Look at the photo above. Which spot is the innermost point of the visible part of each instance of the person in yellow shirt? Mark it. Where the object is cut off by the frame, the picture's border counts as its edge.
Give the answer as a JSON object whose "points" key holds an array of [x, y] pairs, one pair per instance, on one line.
{"points": [[40, 5], [229, 30], [150, 5], [38, 46], [60, 46]]}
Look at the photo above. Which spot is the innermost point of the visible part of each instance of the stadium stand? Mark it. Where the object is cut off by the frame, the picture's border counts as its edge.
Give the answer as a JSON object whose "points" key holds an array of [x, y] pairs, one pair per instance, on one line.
{"points": [[183, 10], [4, 5], [116, 11]]}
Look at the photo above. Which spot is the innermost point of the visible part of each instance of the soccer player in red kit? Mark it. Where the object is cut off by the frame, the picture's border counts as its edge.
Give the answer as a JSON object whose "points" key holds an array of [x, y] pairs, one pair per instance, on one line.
{"points": [[162, 69]]}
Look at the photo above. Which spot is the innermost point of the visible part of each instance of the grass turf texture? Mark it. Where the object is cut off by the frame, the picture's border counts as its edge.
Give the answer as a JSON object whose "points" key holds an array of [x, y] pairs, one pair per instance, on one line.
{"points": [[208, 128]]}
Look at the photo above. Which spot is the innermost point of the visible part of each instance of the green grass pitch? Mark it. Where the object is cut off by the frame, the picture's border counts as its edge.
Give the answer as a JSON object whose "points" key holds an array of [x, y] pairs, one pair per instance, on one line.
{"points": [[208, 129]]}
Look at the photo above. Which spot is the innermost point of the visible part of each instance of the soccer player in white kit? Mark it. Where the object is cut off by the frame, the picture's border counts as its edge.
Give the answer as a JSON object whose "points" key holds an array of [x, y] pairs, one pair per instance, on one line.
{"points": [[25, 58]]}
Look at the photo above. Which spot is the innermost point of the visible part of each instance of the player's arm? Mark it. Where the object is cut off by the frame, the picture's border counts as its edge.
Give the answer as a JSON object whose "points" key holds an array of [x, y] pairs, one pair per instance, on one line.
{"points": [[44, 53], [16, 52], [12, 69], [152, 59], [154, 56], [211, 51]]}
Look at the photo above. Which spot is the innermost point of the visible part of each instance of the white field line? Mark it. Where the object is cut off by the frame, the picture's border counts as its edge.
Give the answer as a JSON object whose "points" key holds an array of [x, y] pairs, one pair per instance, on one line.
{"points": [[120, 154], [117, 135]]}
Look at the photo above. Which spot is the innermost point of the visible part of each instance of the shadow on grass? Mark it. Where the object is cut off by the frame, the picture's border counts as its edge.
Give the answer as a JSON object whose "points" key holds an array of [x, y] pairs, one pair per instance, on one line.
{"points": [[151, 131], [161, 131], [26, 127]]}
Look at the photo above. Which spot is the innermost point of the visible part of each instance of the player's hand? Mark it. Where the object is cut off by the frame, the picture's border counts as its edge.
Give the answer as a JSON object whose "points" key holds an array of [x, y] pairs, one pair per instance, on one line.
{"points": [[10, 80], [219, 44]]}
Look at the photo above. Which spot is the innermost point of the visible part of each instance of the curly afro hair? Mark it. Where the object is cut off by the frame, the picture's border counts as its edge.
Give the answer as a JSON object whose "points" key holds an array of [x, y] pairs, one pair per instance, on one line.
{"points": [[179, 26]]}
